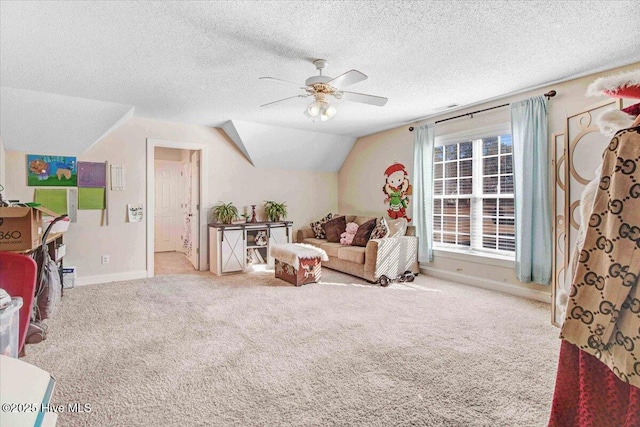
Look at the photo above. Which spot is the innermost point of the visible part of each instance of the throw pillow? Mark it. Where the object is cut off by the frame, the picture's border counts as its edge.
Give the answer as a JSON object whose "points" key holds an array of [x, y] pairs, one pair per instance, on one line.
{"points": [[397, 227], [318, 231], [363, 233], [381, 230], [334, 228]]}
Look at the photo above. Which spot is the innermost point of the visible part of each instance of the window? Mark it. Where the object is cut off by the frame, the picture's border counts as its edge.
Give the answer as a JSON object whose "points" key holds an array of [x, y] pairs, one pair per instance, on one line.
{"points": [[473, 206]]}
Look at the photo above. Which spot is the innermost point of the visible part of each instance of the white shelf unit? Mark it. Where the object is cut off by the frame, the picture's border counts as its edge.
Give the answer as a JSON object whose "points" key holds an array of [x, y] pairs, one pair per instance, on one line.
{"points": [[234, 247]]}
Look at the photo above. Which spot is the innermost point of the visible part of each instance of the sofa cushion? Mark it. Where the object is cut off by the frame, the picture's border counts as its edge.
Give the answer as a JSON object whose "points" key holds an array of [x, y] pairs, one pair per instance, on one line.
{"points": [[351, 254], [362, 219], [318, 231], [334, 228], [313, 241], [364, 232], [331, 248]]}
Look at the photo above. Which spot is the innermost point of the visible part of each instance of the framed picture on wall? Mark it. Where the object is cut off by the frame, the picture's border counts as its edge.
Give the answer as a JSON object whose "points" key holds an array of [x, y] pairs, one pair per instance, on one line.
{"points": [[51, 171]]}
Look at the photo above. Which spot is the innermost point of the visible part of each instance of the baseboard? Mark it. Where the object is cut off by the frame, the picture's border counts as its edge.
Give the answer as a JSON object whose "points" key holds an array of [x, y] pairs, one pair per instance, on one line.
{"points": [[492, 285], [106, 278]]}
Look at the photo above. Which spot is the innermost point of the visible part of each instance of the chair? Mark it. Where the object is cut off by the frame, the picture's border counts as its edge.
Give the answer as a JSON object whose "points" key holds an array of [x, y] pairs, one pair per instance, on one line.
{"points": [[18, 277]]}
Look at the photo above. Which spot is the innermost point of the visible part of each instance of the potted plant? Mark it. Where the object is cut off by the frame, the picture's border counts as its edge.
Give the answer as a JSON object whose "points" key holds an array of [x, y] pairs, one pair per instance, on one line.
{"points": [[225, 212], [275, 211]]}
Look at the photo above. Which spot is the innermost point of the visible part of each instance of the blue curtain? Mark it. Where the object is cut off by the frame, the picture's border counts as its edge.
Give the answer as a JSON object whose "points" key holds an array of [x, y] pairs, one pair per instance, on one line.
{"points": [[531, 192], [422, 190]]}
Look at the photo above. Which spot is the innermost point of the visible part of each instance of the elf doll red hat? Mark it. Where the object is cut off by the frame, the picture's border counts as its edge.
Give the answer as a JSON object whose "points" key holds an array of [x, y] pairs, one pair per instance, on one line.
{"points": [[396, 167], [625, 85]]}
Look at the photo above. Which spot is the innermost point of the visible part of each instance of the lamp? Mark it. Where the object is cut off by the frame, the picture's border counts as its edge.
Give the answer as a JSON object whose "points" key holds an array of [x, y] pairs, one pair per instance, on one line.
{"points": [[326, 112], [314, 109], [320, 107]]}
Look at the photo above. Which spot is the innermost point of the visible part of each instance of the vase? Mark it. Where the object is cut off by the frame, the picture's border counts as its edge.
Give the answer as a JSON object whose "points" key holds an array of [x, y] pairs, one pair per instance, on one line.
{"points": [[253, 213]]}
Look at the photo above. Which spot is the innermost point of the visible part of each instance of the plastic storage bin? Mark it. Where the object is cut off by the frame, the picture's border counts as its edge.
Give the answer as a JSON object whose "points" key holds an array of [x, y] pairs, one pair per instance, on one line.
{"points": [[59, 227], [9, 326]]}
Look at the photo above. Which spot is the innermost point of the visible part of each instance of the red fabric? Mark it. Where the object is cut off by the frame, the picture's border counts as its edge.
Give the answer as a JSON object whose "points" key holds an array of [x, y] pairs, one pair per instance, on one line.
{"points": [[588, 394], [18, 277], [396, 167], [633, 110], [624, 92]]}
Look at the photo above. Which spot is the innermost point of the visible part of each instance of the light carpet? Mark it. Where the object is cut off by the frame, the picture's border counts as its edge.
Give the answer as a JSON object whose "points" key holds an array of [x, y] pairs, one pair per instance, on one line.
{"points": [[252, 350]]}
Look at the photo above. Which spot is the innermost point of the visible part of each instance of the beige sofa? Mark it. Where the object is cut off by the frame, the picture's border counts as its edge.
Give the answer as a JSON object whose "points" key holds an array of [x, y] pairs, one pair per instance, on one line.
{"points": [[390, 257]]}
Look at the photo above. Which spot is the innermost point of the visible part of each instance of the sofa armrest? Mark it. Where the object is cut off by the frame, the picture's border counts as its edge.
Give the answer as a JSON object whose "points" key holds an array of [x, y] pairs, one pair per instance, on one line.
{"points": [[391, 257], [304, 233]]}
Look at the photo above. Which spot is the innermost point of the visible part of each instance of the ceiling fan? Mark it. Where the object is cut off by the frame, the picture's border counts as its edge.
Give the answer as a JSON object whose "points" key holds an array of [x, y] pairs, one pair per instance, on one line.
{"points": [[322, 88]]}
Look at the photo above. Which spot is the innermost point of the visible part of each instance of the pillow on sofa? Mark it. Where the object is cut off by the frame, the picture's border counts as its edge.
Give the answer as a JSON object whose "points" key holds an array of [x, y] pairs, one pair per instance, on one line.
{"points": [[318, 231], [364, 232], [397, 227], [381, 230], [334, 228]]}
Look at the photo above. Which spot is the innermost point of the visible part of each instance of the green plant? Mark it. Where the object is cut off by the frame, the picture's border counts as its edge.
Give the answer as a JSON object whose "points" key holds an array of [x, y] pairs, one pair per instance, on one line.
{"points": [[275, 211], [225, 212]]}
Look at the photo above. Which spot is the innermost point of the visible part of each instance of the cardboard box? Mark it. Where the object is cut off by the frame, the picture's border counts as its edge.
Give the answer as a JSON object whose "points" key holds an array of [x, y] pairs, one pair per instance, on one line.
{"points": [[20, 228]]}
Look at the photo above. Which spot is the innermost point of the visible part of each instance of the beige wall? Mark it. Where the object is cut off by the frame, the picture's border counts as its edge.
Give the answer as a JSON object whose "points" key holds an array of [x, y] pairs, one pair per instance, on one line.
{"points": [[361, 178], [231, 178]]}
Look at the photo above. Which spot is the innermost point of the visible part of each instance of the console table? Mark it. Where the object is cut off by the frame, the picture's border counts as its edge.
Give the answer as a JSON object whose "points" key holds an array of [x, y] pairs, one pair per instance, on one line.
{"points": [[234, 247]]}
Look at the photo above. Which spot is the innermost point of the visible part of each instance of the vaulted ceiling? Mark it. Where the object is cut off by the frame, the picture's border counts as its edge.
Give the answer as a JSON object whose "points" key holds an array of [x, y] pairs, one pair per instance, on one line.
{"points": [[200, 62]]}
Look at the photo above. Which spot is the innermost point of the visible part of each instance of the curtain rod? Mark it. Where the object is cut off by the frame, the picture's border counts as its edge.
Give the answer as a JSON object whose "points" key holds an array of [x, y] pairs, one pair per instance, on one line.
{"points": [[548, 95]]}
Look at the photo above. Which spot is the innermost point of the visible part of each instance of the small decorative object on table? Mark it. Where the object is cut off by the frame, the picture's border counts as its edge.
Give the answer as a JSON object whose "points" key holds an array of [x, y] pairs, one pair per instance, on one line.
{"points": [[261, 238], [298, 263], [253, 213]]}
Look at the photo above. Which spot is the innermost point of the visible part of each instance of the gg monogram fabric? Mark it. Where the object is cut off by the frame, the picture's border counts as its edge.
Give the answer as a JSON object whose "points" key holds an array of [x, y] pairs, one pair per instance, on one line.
{"points": [[603, 311]]}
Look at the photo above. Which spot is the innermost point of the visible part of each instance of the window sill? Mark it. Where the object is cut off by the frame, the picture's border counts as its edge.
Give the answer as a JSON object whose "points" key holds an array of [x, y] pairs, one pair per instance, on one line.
{"points": [[476, 257]]}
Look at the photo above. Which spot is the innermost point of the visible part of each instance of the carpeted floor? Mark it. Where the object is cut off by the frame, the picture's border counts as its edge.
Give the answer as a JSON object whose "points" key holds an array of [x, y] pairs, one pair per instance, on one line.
{"points": [[172, 263], [251, 350]]}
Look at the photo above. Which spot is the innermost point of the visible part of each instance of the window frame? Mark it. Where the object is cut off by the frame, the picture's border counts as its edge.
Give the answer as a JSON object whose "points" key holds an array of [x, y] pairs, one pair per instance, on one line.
{"points": [[476, 209]]}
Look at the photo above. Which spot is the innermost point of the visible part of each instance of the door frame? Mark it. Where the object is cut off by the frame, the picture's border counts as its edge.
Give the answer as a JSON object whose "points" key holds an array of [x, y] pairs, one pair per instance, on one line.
{"points": [[204, 199]]}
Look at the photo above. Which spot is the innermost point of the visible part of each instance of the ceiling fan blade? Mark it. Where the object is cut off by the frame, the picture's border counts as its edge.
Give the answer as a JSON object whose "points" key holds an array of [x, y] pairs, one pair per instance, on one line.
{"points": [[273, 79], [285, 99], [348, 78], [364, 98]]}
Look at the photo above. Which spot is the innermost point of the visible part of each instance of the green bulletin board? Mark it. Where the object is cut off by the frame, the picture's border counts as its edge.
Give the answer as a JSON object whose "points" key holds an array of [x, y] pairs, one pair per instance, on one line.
{"points": [[55, 200], [91, 198]]}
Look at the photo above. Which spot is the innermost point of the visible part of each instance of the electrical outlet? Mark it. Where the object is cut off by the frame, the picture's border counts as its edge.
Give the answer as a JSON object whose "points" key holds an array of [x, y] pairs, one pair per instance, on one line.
{"points": [[105, 259]]}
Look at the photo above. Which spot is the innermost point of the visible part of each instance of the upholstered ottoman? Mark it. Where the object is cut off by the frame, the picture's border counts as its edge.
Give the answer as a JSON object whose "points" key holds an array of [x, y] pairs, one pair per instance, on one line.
{"points": [[298, 263]]}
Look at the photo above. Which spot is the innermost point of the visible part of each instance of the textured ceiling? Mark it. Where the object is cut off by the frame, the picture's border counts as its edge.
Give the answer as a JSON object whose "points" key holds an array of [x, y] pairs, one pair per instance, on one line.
{"points": [[199, 62]]}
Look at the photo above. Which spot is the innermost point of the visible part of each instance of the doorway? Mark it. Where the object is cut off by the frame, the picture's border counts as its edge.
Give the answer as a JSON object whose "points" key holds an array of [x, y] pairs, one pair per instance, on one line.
{"points": [[175, 219]]}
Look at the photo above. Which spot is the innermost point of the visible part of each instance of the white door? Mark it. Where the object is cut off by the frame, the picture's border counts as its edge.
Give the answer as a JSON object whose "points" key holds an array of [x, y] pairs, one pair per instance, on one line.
{"points": [[167, 212], [232, 250], [193, 216]]}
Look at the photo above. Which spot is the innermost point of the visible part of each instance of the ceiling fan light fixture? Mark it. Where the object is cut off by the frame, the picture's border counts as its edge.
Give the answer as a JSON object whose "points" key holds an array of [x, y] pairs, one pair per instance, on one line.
{"points": [[323, 88], [315, 108], [328, 112]]}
